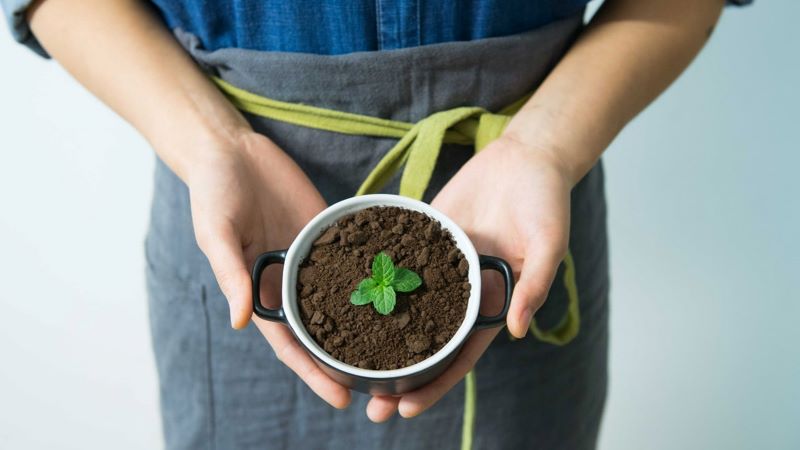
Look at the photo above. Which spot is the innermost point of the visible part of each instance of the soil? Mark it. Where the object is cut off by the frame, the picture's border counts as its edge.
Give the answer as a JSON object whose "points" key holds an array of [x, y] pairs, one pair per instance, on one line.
{"points": [[422, 322]]}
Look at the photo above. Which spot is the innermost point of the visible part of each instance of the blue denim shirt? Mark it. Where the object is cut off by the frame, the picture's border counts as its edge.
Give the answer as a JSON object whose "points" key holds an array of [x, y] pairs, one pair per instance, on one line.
{"points": [[345, 26], [338, 26]]}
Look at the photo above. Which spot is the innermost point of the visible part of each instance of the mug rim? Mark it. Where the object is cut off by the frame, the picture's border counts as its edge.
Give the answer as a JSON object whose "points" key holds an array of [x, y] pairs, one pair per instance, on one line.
{"points": [[301, 246]]}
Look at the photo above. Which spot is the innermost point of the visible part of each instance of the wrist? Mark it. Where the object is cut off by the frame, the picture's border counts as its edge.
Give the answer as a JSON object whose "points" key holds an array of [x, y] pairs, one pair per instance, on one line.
{"points": [[573, 146], [193, 142], [544, 161], [545, 152]]}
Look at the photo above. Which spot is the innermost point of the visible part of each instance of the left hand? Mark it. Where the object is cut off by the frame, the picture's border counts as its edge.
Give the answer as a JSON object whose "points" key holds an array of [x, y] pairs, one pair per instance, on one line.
{"points": [[513, 200]]}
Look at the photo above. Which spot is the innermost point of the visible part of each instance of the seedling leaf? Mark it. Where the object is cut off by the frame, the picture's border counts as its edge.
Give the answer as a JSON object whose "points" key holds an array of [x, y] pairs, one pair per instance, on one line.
{"points": [[405, 280], [384, 299], [361, 295], [383, 269]]}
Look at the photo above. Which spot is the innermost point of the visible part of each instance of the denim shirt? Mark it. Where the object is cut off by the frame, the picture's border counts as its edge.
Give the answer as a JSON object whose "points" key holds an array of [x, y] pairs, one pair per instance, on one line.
{"points": [[346, 26], [338, 26]]}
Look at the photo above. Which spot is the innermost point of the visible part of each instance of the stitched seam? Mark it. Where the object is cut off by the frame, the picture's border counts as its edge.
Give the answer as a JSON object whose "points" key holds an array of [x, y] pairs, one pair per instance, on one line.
{"points": [[212, 412], [378, 18], [419, 24]]}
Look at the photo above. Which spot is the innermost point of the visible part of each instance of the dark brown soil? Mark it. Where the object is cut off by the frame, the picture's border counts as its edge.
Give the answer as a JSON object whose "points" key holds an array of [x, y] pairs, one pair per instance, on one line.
{"points": [[422, 321]]}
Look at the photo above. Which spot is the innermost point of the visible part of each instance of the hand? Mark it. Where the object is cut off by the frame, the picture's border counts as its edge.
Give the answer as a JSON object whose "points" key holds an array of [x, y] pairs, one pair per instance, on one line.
{"points": [[247, 198], [513, 200]]}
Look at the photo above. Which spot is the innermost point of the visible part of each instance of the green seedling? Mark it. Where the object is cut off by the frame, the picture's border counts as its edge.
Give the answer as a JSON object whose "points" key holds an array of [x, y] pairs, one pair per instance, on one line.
{"points": [[379, 289]]}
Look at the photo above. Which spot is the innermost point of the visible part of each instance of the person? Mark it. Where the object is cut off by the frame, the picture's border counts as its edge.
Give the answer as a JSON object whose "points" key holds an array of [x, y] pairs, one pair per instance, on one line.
{"points": [[230, 184]]}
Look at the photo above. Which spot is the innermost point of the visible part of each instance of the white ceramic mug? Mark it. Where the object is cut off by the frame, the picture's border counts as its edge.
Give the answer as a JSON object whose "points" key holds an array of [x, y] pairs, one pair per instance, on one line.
{"points": [[385, 382]]}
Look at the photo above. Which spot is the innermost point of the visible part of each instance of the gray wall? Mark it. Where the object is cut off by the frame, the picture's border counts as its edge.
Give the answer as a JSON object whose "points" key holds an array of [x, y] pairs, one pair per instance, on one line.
{"points": [[704, 214]]}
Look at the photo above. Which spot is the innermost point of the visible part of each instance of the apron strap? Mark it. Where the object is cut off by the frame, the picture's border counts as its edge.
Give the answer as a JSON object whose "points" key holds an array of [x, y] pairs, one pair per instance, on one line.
{"points": [[417, 149]]}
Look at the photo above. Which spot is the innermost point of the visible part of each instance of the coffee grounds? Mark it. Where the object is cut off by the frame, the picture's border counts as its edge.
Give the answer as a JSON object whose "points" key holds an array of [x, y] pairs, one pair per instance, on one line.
{"points": [[422, 322]]}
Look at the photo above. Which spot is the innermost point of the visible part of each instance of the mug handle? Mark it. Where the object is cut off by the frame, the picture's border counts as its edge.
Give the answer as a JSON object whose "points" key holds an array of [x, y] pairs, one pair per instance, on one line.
{"points": [[499, 265], [264, 260]]}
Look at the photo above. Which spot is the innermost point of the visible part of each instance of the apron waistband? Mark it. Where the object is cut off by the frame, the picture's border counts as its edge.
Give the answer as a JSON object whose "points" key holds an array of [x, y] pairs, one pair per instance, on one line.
{"points": [[406, 84]]}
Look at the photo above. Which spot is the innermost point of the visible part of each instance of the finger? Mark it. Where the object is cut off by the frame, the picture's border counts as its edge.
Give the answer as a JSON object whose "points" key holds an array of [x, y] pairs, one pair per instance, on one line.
{"points": [[289, 351], [382, 407], [416, 402], [536, 276], [223, 249]]}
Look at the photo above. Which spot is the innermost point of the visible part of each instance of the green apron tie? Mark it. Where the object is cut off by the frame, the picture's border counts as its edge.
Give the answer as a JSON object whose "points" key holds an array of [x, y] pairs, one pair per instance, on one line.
{"points": [[417, 149]]}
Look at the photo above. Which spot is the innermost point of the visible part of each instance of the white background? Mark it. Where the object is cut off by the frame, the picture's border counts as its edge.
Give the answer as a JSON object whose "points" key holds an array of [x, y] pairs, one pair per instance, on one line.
{"points": [[704, 218]]}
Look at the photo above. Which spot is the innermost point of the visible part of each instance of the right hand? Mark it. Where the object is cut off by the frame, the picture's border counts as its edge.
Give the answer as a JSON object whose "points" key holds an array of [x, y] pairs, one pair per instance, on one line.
{"points": [[248, 197]]}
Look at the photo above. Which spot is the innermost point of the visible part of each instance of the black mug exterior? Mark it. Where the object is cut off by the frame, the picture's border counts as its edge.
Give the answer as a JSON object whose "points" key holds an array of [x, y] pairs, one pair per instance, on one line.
{"points": [[383, 386], [387, 386]]}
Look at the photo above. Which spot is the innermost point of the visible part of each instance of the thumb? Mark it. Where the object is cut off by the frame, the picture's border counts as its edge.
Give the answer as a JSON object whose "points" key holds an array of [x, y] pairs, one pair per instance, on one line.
{"points": [[538, 270], [223, 249]]}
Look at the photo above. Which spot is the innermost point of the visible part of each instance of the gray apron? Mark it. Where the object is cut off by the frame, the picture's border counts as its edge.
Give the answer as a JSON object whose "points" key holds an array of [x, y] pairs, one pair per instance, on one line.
{"points": [[224, 389]]}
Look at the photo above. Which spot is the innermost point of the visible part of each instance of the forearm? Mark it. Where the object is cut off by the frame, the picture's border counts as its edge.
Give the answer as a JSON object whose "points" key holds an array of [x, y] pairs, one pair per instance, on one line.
{"points": [[125, 55], [629, 53]]}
